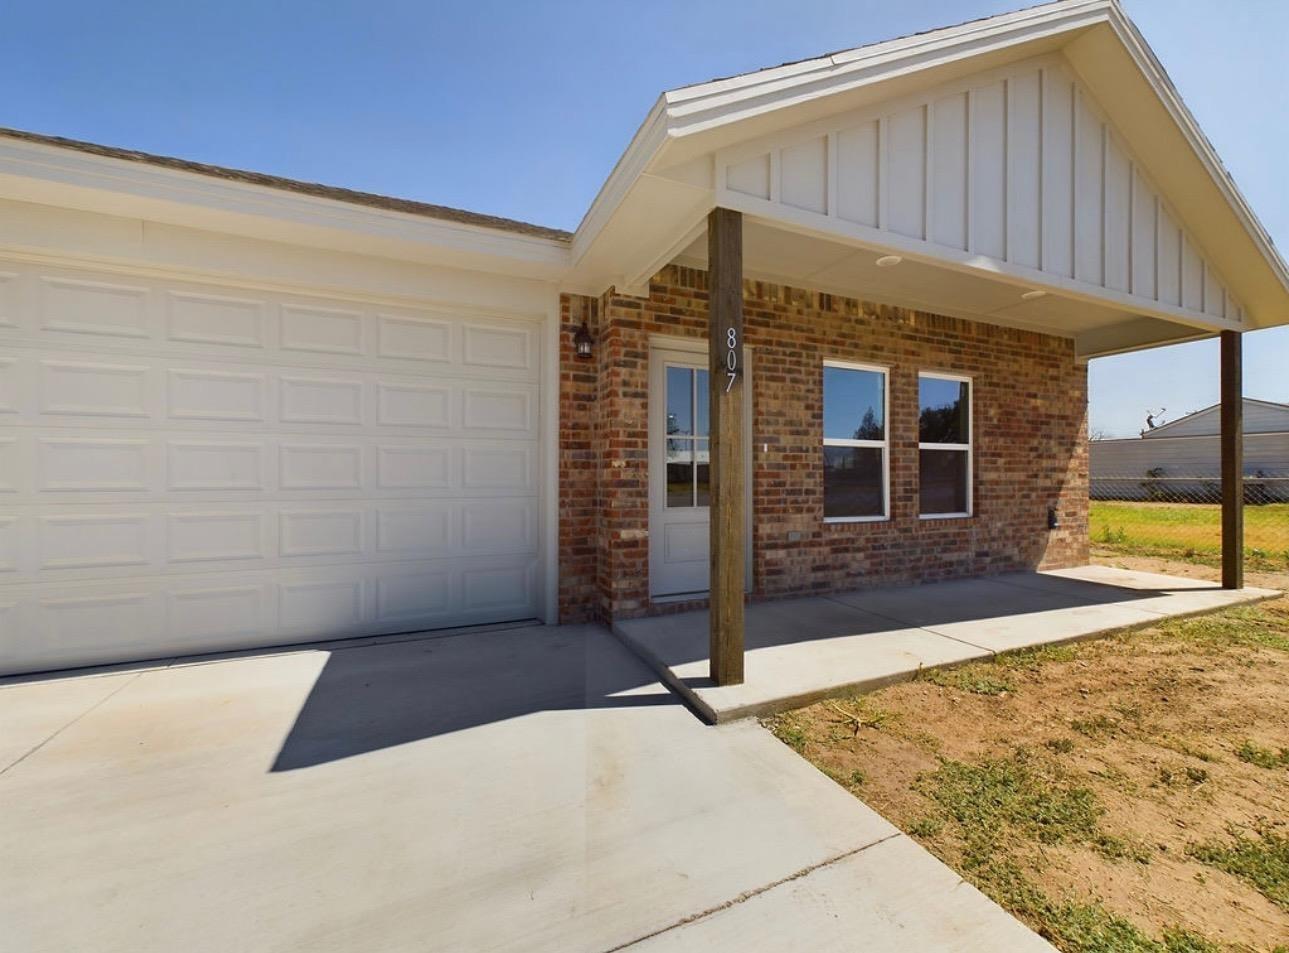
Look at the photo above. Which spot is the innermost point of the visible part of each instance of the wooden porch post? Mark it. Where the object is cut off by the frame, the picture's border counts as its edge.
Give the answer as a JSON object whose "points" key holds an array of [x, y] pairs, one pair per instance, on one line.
{"points": [[725, 349], [1232, 461]]}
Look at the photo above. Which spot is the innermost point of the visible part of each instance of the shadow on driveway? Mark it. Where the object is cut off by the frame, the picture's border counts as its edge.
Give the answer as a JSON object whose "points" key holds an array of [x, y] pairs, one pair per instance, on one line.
{"points": [[370, 697]]}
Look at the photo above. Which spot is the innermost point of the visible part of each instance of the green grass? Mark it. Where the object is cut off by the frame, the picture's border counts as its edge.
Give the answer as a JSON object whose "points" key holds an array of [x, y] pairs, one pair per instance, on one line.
{"points": [[1021, 795], [1096, 727], [1079, 927], [1262, 626], [1250, 753], [1261, 860], [1191, 531], [969, 679]]}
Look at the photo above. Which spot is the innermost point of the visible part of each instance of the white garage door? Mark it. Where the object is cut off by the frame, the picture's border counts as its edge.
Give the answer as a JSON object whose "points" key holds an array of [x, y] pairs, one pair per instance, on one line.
{"points": [[187, 467]]}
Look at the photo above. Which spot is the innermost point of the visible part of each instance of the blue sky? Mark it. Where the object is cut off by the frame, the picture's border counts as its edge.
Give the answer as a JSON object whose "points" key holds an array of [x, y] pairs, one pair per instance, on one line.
{"points": [[521, 109]]}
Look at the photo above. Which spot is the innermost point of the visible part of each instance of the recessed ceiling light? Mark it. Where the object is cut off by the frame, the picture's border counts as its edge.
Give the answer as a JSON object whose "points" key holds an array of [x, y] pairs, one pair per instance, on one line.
{"points": [[889, 261], [1031, 295]]}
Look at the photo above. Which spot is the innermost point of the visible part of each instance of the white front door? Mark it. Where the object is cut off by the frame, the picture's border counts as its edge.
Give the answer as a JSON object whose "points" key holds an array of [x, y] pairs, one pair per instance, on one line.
{"points": [[679, 471]]}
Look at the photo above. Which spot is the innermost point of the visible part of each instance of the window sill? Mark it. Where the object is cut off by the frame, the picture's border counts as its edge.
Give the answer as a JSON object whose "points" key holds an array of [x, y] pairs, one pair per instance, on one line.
{"points": [[945, 516], [857, 519]]}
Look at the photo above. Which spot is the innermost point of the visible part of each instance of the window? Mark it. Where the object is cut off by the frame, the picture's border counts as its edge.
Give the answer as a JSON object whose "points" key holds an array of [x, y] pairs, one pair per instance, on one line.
{"points": [[855, 464], [688, 467], [944, 445]]}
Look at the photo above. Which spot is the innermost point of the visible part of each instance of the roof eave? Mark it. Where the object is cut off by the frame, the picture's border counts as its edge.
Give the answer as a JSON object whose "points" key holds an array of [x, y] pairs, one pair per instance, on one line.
{"points": [[44, 173]]}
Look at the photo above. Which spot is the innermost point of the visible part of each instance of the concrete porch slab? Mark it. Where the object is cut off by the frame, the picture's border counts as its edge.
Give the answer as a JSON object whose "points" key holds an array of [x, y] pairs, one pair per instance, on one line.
{"points": [[801, 650]]}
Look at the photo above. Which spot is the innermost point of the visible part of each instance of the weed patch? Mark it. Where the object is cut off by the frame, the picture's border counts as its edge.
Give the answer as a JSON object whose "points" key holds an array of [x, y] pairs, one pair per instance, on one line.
{"points": [[1250, 753], [1022, 796], [1097, 727], [969, 679], [1261, 860]]}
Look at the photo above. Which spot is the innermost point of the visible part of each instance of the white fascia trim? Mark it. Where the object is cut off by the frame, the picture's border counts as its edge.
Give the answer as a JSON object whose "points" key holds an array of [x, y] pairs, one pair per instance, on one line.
{"points": [[696, 108], [50, 163], [1154, 72], [639, 153]]}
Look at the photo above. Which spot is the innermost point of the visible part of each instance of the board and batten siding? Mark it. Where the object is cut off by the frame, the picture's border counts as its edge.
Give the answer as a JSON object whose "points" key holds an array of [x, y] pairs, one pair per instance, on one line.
{"points": [[1019, 165]]}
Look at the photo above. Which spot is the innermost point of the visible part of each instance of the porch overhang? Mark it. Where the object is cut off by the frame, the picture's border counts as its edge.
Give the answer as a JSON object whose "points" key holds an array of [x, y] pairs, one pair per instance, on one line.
{"points": [[1101, 201]]}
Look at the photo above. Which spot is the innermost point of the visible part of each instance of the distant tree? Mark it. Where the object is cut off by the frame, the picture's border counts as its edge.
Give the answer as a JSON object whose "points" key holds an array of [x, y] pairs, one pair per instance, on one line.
{"points": [[869, 428], [940, 424]]}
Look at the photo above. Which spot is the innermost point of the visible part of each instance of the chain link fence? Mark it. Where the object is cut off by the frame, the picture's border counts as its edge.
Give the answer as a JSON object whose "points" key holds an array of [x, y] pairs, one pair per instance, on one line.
{"points": [[1179, 515]]}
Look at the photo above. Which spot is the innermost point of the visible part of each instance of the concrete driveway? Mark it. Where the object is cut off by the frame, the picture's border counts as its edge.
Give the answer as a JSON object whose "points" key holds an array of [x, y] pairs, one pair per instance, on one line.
{"points": [[525, 789]]}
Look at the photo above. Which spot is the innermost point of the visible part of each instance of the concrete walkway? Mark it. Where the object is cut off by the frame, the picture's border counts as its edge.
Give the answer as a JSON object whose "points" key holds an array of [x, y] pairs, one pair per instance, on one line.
{"points": [[531, 789], [801, 650]]}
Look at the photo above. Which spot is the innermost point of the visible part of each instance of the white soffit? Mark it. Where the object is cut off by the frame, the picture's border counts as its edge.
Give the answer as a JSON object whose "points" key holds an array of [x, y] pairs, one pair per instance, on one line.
{"points": [[1082, 57]]}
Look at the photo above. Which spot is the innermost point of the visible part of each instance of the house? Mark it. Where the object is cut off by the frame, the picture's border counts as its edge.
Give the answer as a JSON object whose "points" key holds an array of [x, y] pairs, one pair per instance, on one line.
{"points": [[1181, 459], [825, 325]]}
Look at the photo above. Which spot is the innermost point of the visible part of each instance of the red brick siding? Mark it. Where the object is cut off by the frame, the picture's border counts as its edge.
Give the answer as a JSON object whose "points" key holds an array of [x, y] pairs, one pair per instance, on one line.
{"points": [[579, 462], [1030, 444]]}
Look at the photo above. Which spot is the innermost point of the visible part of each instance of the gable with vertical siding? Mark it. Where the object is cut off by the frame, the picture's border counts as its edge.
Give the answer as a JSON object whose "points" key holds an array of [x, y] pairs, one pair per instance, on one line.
{"points": [[1017, 165]]}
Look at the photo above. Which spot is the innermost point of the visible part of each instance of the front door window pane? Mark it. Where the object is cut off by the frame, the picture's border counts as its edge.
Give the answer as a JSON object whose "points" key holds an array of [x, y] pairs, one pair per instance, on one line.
{"points": [[680, 473], [702, 474], [680, 400]]}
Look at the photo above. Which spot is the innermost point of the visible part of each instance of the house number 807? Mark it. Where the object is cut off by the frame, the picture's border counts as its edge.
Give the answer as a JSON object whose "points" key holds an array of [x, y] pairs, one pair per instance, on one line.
{"points": [[731, 358]]}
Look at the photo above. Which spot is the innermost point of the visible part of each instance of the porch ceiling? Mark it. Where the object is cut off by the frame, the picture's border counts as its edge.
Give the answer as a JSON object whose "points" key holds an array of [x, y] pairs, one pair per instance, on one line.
{"points": [[773, 253]]}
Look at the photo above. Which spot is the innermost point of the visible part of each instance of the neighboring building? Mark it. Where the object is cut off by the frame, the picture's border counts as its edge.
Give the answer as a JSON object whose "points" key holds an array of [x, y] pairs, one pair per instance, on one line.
{"points": [[1181, 459], [237, 410]]}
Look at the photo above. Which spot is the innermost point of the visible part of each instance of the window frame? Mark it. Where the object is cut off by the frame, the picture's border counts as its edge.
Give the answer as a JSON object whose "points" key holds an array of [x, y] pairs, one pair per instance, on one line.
{"points": [[968, 446], [884, 444]]}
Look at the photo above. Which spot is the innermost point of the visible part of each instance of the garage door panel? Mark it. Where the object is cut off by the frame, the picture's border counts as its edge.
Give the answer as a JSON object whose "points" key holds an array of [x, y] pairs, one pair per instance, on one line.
{"points": [[216, 465], [9, 311], [414, 403], [196, 318], [320, 329], [10, 544], [102, 627], [319, 400], [200, 617], [89, 464], [91, 541], [190, 466], [208, 536], [415, 338], [217, 395], [12, 388], [95, 389], [500, 467], [330, 531], [99, 307]]}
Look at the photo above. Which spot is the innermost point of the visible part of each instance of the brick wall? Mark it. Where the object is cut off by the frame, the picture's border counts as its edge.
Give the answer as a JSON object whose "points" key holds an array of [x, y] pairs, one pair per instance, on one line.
{"points": [[1030, 444]]}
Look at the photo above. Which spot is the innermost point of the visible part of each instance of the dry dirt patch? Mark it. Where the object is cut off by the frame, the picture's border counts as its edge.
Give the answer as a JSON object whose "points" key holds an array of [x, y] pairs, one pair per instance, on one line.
{"points": [[1129, 794]]}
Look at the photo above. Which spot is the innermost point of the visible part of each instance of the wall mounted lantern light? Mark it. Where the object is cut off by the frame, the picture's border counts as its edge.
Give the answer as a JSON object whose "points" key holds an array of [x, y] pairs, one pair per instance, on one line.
{"points": [[582, 341]]}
